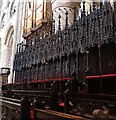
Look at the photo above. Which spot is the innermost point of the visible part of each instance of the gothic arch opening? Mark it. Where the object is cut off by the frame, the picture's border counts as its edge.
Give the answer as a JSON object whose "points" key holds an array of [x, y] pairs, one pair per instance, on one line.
{"points": [[7, 52], [9, 46], [9, 36], [13, 8], [2, 23]]}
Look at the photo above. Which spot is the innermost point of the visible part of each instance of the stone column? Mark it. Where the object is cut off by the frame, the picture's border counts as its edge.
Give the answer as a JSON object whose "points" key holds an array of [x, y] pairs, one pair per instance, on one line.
{"points": [[5, 60], [60, 7]]}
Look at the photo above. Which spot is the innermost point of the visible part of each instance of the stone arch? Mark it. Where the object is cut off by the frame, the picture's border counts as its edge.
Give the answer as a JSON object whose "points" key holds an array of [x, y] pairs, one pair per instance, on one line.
{"points": [[7, 49], [9, 36], [8, 43], [60, 8]]}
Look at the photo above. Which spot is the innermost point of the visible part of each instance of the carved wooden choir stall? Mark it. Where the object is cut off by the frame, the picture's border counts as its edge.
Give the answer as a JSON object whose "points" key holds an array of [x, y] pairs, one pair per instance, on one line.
{"points": [[69, 74]]}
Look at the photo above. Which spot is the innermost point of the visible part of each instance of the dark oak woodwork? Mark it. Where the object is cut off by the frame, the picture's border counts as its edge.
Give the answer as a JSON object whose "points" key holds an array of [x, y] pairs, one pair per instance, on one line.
{"points": [[70, 71]]}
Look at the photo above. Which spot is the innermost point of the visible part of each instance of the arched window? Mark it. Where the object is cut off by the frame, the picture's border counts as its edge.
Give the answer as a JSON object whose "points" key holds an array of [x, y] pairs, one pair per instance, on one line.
{"points": [[9, 37], [29, 5], [9, 47], [12, 9], [3, 20]]}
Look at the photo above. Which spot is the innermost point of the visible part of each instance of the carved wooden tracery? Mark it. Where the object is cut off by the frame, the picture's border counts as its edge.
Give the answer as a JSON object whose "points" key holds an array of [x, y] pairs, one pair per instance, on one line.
{"points": [[91, 30]]}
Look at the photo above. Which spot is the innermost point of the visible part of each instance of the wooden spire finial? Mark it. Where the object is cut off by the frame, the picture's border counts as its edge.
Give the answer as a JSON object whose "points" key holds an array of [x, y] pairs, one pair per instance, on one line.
{"points": [[25, 18], [33, 14], [43, 10]]}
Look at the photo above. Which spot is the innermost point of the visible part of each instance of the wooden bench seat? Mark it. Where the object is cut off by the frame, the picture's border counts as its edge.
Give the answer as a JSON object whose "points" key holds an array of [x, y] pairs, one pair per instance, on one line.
{"points": [[32, 93]]}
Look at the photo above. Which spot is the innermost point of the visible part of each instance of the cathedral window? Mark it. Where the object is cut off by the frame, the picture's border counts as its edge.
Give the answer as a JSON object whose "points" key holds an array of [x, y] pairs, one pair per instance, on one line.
{"points": [[29, 5], [13, 9], [8, 4], [3, 21]]}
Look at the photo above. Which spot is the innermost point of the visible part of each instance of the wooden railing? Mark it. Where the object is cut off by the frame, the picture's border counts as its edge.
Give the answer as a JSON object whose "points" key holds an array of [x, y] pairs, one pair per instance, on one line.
{"points": [[42, 98]]}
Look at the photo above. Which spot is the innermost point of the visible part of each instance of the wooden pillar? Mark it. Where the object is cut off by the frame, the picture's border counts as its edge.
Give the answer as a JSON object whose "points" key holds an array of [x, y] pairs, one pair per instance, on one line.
{"points": [[25, 109]]}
